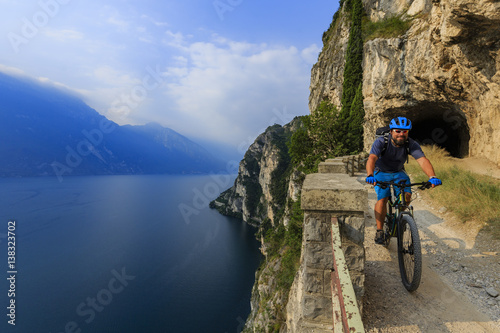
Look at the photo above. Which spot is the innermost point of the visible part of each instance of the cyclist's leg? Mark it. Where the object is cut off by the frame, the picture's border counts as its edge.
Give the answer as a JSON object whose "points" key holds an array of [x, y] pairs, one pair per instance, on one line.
{"points": [[381, 212], [382, 198]]}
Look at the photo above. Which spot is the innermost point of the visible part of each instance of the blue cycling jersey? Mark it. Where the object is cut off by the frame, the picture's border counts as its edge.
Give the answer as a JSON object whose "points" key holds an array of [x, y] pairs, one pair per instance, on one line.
{"points": [[394, 157]]}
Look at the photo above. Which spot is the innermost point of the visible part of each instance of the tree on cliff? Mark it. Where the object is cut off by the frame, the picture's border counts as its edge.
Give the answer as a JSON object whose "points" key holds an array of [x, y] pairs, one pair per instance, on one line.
{"points": [[320, 138], [352, 112]]}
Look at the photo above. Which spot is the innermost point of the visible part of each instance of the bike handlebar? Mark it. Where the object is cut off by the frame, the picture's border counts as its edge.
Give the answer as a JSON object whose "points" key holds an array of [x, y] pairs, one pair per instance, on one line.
{"points": [[423, 185]]}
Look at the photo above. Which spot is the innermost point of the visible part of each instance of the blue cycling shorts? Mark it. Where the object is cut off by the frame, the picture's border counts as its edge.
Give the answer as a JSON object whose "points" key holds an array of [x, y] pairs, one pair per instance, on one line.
{"points": [[388, 177]]}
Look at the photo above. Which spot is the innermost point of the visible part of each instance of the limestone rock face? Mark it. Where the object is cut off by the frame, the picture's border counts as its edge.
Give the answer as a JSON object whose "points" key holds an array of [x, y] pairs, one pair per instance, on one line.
{"points": [[327, 73], [442, 74], [252, 197]]}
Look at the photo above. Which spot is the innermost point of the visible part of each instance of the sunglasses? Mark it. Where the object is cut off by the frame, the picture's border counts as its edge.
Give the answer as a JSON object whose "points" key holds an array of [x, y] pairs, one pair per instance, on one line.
{"points": [[401, 131]]}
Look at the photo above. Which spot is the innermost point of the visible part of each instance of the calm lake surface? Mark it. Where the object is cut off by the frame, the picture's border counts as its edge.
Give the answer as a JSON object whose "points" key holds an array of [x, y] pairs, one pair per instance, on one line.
{"points": [[124, 254]]}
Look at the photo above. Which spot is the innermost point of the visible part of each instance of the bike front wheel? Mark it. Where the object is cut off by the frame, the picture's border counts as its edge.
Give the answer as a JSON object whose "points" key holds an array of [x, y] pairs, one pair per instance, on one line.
{"points": [[409, 253], [388, 231]]}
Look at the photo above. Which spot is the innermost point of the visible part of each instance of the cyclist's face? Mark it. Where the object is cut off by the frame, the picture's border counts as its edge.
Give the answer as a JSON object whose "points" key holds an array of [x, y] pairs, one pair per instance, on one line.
{"points": [[399, 136]]}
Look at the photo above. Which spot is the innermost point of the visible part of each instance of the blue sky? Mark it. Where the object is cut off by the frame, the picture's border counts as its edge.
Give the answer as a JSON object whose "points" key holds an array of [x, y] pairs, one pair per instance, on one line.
{"points": [[218, 71]]}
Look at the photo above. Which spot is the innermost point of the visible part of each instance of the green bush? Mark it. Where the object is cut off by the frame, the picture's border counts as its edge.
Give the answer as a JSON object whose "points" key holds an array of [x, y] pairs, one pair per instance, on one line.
{"points": [[301, 148], [286, 243], [320, 138], [390, 27]]}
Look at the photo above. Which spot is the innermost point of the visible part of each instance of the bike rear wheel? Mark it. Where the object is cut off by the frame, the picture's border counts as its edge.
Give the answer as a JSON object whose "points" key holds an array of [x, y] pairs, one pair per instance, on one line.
{"points": [[409, 253]]}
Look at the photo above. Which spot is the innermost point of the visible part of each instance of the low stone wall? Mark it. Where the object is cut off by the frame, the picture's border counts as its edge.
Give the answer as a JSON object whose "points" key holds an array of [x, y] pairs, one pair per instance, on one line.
{"points": [[327, 198], [345, 164]]}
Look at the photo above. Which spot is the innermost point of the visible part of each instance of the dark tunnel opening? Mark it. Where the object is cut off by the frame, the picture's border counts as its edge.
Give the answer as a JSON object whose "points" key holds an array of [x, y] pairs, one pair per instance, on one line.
{"points": [[437, 124]]}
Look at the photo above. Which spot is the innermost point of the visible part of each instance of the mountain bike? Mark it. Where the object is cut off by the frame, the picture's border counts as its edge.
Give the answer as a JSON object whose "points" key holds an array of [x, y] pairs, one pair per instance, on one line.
{"points": [[399, 223]]}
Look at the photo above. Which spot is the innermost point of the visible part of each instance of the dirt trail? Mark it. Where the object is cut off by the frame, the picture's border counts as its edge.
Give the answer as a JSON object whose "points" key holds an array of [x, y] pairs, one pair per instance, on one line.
{"points": [[460, 263], [479, 165]]}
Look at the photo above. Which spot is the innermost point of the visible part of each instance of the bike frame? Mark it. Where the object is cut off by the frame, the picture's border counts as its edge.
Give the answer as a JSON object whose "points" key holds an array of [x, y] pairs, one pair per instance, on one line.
{"points": [[396, 206]]}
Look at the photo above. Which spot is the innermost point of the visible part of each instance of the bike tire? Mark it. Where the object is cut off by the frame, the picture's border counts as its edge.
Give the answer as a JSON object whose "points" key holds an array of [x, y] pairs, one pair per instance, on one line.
{"points": [[388, 228], [387, 233], [409, 253]]}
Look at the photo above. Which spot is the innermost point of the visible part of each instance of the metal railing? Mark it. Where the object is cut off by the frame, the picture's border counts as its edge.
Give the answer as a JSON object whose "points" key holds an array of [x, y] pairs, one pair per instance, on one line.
{"points": [[346, 314], [355, 163]]}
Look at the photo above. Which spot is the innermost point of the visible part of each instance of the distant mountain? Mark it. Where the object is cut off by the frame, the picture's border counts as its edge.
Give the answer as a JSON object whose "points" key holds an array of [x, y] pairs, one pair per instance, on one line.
{"points": [[177, 145], [45, 131]]}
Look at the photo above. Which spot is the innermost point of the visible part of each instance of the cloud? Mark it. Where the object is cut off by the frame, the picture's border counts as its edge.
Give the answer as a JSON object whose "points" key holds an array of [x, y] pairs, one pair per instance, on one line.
{"points": [[214, 87], [44, 81], [176, 40], [63, 35], [118, 22], [230, 90], [114, 77], [153, 21], [310, 54], [12, 71]]}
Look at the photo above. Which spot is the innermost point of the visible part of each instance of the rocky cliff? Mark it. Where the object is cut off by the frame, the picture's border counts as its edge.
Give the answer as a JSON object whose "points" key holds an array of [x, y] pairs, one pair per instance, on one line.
{"points": [[263, 184], [442, 72], [266, 193]]}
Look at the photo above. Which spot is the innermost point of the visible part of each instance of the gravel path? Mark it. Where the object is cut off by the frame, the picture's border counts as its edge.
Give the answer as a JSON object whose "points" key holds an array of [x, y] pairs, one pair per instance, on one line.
{"points": [[460, 278]]}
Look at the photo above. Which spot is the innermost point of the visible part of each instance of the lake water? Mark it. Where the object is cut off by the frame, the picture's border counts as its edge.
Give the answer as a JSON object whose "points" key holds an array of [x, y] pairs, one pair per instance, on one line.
{"points": [[124, 254]]}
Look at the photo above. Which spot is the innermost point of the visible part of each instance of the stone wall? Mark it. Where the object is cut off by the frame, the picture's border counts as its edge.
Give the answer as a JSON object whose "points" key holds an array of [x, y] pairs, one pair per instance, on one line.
{"points": [[327, 197]]}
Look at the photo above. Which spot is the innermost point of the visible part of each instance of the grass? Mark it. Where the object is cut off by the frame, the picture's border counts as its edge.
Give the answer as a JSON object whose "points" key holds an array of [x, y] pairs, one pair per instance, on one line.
{"points": [[390, 27], [472, 197], [493, 227]]}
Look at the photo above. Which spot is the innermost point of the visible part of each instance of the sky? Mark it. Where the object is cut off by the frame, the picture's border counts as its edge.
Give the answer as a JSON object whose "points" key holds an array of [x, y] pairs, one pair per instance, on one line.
{"points": [[217, 71]]}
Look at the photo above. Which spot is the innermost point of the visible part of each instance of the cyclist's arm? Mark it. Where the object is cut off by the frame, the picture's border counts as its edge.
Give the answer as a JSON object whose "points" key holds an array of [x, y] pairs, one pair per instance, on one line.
{"points": [[426, 166], [370, 164]]}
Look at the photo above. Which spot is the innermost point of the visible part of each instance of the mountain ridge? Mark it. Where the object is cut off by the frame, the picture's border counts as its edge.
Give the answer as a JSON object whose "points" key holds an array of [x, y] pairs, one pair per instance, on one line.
{"points": [[45, 131]]}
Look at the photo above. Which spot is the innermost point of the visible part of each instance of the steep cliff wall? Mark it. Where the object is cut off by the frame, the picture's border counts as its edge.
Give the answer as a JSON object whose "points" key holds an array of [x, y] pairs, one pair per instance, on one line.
{"points": [[265, 193], [327, 74], [442, 73], [263, 184]]}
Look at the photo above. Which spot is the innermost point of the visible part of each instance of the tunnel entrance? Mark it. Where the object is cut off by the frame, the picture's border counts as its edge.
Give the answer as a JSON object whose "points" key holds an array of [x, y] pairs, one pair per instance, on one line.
{"points": [[438, 124]]}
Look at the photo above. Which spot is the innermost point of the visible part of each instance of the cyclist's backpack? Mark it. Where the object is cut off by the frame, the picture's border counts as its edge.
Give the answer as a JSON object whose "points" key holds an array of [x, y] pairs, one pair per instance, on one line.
{"points": [[385, 133]]}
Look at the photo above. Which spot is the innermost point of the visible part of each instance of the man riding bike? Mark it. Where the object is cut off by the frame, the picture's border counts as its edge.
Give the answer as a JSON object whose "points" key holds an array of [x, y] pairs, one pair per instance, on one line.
{"points": [[386, 163]]}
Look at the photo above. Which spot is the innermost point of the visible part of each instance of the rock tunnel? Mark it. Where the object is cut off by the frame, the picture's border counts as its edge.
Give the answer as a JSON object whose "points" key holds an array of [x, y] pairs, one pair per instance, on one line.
{"points": [[438, 124]]}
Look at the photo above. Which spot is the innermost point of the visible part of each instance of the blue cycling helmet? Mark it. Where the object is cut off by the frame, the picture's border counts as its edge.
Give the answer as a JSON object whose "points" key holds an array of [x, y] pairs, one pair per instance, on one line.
{"points": [[400, 123]]}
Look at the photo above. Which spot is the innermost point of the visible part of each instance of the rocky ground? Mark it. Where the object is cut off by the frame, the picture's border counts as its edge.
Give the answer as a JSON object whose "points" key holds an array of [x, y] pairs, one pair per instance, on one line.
{"points": [[460, 278]]}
